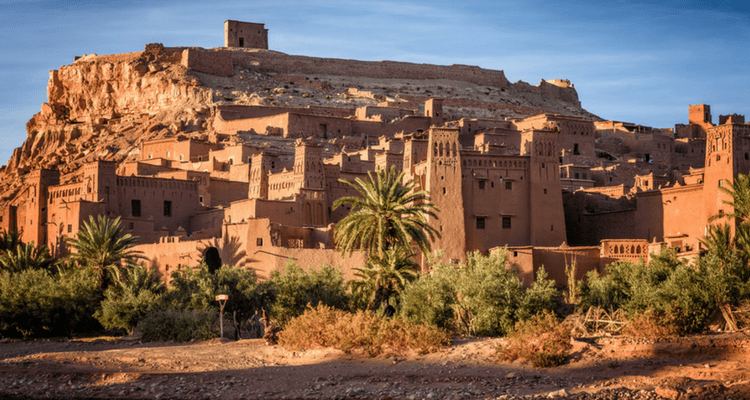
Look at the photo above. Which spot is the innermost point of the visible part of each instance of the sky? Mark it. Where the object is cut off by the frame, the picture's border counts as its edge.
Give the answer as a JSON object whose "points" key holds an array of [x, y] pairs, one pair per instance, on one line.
{"points": [[633, 61]]}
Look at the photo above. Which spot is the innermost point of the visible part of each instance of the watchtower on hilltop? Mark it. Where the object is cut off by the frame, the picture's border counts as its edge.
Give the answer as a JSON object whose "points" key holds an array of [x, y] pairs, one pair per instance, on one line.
{"points": [[245, 34]]}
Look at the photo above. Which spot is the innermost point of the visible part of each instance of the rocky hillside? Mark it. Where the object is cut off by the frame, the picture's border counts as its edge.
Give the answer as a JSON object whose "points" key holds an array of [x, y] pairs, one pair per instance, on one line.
{"points": [[103, 107]]}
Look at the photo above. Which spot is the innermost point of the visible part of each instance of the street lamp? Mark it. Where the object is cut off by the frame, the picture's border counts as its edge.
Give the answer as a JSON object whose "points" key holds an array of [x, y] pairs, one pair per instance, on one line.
{"points": [[222, 299]]}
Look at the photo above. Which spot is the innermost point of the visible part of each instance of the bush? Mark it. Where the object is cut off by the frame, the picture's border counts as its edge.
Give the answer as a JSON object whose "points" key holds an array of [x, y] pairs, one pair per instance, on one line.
{"points": [[197, 290], [294, 289], [481, 296], [686, 295], [542, 340], [129, 299], [38, 303], [327, 327], [180, 326], [651, 324]]}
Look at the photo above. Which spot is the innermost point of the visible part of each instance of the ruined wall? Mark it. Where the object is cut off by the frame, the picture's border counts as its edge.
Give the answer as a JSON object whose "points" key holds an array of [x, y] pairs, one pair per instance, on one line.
{"points": [[212, 62], [271, 62]]}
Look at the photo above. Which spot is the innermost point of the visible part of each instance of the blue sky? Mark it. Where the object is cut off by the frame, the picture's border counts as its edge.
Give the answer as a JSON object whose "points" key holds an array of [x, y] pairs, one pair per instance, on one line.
{"points": [[641, 62]]}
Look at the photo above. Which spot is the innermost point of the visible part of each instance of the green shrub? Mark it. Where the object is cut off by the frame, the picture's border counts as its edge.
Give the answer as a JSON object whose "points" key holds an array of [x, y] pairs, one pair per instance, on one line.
{"points": [[327, 327], [197, 290], [130, 298], [38, 303], [481, 296], [180, 326], [686, 295], [294, 289], [542, 340]]}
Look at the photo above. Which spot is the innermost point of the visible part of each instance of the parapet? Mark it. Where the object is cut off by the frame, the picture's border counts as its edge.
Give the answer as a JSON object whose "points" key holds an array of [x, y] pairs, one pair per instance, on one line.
{"points": [[733, 119]]}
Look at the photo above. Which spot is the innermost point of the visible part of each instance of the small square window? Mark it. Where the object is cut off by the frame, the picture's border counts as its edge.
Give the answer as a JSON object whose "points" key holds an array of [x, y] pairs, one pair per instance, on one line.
{"points": [[481, 185], [508, 185], [506, 222], [259, 242], [200, 199], [545, 191], [130, 225], [70, 228], [481, 222]]}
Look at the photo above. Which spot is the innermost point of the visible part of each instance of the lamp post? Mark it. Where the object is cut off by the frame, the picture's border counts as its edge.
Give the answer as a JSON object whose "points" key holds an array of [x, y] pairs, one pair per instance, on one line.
{"points": [[222, 299]]}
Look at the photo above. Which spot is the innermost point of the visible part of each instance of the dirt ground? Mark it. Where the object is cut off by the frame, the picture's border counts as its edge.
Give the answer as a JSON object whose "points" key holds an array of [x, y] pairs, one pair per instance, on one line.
{"points": [[713, 366]]}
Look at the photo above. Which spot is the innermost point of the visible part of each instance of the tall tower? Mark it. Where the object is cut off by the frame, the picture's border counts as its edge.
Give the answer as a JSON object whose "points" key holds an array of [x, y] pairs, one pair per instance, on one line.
{"points": [[100, 185], [33, 225], [444, 184], [433, 108], [547, 223], [308, 167], [260, 165], [727, 155]]}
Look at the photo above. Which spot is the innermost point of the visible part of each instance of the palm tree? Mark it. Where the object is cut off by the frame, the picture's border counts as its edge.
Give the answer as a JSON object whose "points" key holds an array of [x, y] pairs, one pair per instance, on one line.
{"points": [[101, 244], [26, 256], [9, 241], [719, 241], [388, 214], [739, 190], [385, 275]]}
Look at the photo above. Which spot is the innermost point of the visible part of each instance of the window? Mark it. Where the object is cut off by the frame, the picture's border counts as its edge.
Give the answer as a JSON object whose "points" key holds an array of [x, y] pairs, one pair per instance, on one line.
{"points": [[721, 182], [150, 155], [182, 157], [70, 228], [259, 242], [481, 222], [200, 199], [169, 154], [135, 208], [167, 208], [481, 185], [575, 149], [508, 185], [241, 42], [506, 222], [444, 191], [552, 228], [130, 226], [577, 175], [545, 191]]}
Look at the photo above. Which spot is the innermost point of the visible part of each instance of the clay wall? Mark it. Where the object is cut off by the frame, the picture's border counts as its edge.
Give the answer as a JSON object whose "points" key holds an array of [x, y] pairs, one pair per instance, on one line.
{"points": [[672, 212], [169, 202], [689, 153], [223, 192], [209, 221], [547, 228], [591, 217], [575, 139], [212, 62], [381, 114], [496, 190], [529, 259], [66, 218], [8, 218], [169, 255], [176, 149], [384, 161]]}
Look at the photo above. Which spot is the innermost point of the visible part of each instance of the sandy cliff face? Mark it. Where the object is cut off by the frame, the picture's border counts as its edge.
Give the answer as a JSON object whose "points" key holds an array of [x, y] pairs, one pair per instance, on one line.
{"points": [[103, 107]]}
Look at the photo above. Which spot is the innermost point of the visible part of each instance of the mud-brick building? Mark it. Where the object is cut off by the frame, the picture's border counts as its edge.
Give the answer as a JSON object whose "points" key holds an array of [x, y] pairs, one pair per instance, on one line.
{"points": [[488, 200]]}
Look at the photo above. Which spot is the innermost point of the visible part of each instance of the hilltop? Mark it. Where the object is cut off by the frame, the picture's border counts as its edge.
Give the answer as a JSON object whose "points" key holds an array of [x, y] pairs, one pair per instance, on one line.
{"points": [[104, 107]]}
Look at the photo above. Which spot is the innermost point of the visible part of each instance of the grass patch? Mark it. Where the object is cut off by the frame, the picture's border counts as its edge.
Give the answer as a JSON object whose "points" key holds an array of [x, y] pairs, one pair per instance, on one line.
{"points": [[362, 331], [541, 340]]}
